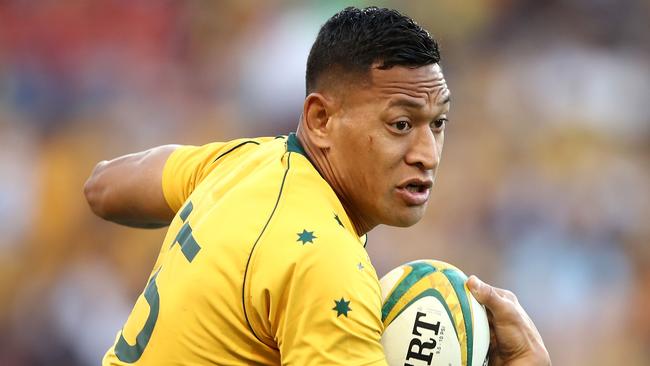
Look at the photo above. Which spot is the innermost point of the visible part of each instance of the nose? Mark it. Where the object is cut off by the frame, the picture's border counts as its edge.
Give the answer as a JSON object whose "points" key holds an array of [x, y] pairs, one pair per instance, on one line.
{"points": [[424, 151]]}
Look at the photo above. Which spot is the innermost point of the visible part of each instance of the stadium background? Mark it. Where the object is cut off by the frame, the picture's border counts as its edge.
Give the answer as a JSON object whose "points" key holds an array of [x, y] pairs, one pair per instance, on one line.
{"points": [[544, 186]]}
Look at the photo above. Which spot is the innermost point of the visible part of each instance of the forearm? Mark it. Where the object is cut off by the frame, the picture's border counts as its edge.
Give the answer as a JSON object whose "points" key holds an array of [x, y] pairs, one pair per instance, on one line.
{"points": [[128, 190]]}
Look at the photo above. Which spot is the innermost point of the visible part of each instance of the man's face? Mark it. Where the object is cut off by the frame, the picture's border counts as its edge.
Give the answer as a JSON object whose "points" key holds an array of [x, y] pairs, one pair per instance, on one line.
{"points": [[386, 143]]}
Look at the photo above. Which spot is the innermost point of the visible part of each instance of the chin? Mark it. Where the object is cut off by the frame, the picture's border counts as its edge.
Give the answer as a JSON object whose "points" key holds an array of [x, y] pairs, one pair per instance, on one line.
{"points": [[406, 219]]}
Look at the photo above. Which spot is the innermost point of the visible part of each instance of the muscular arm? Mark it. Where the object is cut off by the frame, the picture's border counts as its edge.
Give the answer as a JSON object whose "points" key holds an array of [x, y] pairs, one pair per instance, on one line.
{"points": [[128, 190]]}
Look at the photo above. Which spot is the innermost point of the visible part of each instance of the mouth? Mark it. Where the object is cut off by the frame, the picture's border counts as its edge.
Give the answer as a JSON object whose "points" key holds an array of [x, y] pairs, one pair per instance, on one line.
{"points": [[415, 192], [416, 185], [416, 188]]}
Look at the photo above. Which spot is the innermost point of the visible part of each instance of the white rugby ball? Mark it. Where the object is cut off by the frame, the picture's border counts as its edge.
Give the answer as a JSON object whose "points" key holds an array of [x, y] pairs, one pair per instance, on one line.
{"points": [[431, 318]]}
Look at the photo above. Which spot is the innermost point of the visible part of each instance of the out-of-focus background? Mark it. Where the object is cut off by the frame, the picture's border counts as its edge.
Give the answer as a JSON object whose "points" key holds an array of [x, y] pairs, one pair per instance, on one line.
{"points": [[544, 186]]}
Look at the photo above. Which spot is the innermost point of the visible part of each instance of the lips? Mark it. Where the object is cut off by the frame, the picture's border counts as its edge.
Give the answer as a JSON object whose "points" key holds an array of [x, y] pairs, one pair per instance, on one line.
{"points": [[415, 192]]}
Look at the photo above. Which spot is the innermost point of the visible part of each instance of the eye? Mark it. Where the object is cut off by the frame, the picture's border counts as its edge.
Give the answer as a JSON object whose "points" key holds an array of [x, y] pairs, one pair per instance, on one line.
{"points": [[401, 126], [439, 124]]}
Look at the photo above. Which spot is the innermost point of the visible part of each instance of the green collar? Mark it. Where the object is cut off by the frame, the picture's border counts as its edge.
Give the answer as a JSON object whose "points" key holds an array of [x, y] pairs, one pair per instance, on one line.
{"points": [[293, 145]]}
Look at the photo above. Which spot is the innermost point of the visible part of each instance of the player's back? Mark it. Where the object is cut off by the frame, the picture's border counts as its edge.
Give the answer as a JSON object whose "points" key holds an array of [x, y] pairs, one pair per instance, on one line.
{"points": [[217, 293]]}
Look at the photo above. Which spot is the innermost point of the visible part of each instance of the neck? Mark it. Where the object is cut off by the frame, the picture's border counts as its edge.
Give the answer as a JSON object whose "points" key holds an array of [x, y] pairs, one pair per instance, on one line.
{"points": [[319, 158]]}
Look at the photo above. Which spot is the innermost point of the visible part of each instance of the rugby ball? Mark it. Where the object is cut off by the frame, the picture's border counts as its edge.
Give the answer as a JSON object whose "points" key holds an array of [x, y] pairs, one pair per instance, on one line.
{"points": [[431, 318]]}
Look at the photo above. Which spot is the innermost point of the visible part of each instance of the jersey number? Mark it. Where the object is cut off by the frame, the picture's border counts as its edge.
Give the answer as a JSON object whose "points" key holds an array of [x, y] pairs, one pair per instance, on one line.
{"points": [[189, 247]]}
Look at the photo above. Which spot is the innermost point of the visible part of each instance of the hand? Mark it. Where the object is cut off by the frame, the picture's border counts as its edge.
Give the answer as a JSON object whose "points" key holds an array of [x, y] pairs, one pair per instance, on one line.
{"points": [[515, 340]]}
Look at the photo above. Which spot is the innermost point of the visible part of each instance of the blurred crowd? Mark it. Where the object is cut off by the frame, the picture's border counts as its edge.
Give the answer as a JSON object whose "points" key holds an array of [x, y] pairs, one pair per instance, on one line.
{"points": [[544, 186]]}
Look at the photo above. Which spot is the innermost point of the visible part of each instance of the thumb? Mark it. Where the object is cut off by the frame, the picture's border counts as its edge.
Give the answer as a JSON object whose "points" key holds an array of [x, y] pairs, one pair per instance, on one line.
{"points": [[483, 293], [476, 286]]}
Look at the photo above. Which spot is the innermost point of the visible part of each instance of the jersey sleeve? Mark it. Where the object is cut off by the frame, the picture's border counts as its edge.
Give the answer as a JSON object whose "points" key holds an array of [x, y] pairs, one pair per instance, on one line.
{"points": [[333, 310], [188, 165]]}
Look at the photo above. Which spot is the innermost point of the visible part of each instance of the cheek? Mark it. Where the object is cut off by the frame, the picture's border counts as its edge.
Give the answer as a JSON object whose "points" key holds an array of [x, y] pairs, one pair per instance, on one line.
{"points": [[370, 149], [389, 152], [440, 142], [363, 157], [384, 157]]}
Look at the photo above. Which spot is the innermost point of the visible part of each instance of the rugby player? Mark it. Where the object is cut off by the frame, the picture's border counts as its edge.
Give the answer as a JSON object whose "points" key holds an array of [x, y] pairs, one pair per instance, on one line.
{"points": [[264, 261]]}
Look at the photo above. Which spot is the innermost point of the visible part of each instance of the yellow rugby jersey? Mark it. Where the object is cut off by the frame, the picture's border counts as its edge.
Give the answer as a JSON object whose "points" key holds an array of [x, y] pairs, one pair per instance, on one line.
{"points": [[260, 266]]}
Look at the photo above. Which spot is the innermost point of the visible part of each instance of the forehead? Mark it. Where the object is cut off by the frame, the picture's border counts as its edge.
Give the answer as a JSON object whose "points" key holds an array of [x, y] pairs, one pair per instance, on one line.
{"points": [[425, 84]]}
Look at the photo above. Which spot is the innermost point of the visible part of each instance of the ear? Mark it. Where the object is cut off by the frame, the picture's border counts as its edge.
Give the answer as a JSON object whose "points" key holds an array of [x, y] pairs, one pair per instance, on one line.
{"points": [[317, 112]]}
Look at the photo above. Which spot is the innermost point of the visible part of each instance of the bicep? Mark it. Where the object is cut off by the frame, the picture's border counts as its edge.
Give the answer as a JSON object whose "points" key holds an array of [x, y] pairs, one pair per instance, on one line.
{"points": [[128, 190]]}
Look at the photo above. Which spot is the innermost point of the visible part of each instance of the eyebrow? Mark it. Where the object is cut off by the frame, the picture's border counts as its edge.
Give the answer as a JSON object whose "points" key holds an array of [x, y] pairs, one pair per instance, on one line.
{"points": [[403, 102]]}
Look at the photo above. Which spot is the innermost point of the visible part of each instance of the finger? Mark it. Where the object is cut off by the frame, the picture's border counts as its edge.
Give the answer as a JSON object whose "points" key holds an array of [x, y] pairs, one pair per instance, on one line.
{"points": [[507, 294], [493, 298], [484, 293]]}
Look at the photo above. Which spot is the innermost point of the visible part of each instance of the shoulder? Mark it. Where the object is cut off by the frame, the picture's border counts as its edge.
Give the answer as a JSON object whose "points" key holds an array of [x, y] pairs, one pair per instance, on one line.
{"points": [[310, 249], [188, 165], [313, 261], [310, 226], [308, 262], [215, 151]]}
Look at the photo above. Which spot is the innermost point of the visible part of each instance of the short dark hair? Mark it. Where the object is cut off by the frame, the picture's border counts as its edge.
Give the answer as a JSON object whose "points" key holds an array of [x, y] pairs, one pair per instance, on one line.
{"points": [[354, 39]]}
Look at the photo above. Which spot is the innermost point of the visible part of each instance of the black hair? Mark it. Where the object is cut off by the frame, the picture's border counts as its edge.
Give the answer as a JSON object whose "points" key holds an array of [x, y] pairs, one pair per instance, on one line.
{"points": [[354, 39]]}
